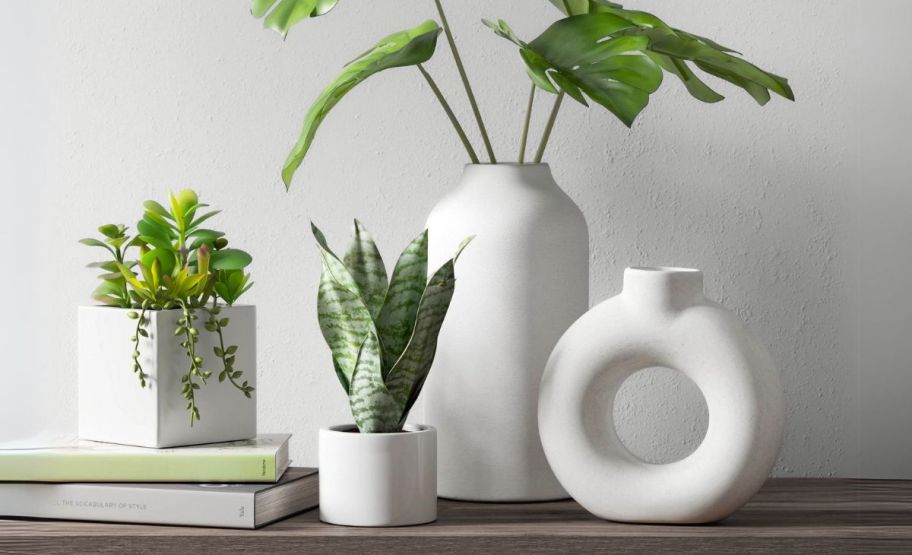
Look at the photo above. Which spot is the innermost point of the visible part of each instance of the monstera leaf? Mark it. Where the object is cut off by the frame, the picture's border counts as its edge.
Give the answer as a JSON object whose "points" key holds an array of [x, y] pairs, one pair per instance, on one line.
{"points": [[406, 48], [673, 48], [579, 7], [283, 14], [588, 56]]}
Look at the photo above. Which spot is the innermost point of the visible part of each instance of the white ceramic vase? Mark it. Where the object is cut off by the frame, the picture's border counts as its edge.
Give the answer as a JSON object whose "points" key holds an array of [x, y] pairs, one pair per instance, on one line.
{"points": [[661, 319], [522, 282], [114, 408], [378, 479]]}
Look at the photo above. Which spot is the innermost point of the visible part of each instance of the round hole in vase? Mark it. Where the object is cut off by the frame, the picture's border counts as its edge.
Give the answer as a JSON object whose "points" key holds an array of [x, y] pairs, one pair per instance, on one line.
{"points": [[659, 415]]}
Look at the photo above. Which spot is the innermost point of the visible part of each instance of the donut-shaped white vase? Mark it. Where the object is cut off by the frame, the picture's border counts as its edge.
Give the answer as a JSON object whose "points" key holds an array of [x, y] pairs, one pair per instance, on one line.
{"points": [[660, 319]]}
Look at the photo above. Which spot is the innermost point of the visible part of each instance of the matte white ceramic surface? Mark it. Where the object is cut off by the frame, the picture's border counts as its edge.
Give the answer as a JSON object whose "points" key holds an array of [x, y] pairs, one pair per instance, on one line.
{"points": [[114, 408], [520, 284], [378, 479], [661, 319]]}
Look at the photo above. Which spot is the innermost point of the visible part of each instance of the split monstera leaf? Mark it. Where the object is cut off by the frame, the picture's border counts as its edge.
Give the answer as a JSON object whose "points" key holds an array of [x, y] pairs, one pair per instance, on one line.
{"points": [[616, 56], [600, 52], [382, 332]]}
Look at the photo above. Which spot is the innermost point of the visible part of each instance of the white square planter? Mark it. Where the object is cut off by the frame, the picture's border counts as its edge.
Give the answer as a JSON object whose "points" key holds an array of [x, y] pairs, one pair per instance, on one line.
{"points": [[114, 408]]}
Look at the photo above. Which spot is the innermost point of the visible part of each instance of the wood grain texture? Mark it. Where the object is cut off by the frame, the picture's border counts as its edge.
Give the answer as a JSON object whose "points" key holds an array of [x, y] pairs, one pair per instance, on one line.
{"points": [[787, 515]]}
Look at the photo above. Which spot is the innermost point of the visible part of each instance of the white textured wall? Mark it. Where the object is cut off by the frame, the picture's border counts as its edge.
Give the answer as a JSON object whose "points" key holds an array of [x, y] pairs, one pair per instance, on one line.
{"points": [[106, 103]]}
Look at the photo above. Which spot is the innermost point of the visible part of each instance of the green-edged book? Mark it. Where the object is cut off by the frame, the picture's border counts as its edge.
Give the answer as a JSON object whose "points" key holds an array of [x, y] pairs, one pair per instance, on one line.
{"points": [[261, 459]]}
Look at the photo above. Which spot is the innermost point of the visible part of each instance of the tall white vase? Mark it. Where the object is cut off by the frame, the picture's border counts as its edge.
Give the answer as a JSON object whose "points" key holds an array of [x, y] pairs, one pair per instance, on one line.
{"points": [[522, 282], [661, 319]]}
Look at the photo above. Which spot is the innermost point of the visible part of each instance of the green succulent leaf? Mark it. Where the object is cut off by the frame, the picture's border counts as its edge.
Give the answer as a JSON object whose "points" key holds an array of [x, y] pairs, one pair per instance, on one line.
{"points": [[584, 54], [164, 257], [408, 375], [373, 406], [284, 14], [111, 231], [344, 318], [156, 208], [230, 259], [90, 242], [365, 264], [406, 48], [204, 236], [152, 226], [400, 308]]}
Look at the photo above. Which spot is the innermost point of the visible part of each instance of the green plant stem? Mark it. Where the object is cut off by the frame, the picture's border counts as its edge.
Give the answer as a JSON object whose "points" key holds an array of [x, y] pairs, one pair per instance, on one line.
{"points": [[227, 369], [465, 82], [548, 128], [525, 132], [137, 366], [190, 337], [449, 112]]}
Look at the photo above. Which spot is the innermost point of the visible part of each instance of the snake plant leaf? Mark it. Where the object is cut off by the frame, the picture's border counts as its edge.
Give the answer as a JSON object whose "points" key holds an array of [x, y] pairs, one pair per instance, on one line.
{"points": [[285, 14], [397, 317], [407, 376], [365, 264], [406, 48], [344, 318], [589, 56], [373, 406]]}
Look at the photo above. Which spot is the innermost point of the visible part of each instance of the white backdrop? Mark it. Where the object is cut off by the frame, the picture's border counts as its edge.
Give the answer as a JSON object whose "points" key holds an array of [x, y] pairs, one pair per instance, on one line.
{"points": [[104, 104]]}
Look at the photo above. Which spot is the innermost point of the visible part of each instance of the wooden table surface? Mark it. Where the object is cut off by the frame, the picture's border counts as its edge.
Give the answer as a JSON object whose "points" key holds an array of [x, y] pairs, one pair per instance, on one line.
{"points": [[787, 515]]}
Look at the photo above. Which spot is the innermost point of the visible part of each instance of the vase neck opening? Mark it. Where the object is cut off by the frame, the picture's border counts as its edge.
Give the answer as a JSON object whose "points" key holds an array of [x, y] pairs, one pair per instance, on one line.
{"points": [[663, 288], [521, 174]]}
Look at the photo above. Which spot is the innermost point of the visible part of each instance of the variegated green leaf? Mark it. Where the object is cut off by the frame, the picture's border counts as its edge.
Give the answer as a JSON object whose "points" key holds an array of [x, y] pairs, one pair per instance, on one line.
{"points": [[407, 376], [397, 317], [364, 262], [375, 410], [344, 318]]}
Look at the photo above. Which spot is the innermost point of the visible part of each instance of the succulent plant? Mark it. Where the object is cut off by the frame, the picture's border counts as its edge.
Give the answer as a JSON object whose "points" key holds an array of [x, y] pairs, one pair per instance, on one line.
{"points": [[382, 333], [181, 266]]}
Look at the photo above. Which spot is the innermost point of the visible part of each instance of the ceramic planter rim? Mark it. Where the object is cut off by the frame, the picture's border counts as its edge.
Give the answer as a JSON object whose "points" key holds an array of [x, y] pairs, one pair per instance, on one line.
{"points": [[107, 306], [407, 430]]}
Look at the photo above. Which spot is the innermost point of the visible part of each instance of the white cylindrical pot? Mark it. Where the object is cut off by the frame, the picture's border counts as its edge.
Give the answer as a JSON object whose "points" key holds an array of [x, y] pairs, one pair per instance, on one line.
{"points": [[522, 282], [378, 479], [661, 319]]}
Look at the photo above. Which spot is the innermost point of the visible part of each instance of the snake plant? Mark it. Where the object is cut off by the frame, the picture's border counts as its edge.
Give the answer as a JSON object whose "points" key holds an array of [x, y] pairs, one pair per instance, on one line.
{"points": [[600, 52], [182, 266], [382, 332]]}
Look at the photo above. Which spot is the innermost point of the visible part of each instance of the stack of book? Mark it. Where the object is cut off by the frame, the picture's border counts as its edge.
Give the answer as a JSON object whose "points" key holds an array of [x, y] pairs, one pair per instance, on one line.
{"points": [[238, 484]]}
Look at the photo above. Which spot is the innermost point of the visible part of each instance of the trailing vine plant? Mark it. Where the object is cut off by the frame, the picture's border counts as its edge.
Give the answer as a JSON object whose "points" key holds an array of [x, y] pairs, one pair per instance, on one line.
{"points": [[182, 266], [600, 52]]}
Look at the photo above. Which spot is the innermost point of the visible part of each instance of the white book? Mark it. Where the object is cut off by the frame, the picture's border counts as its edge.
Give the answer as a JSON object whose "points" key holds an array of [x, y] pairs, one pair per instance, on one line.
{"points": [[217, 505]]}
